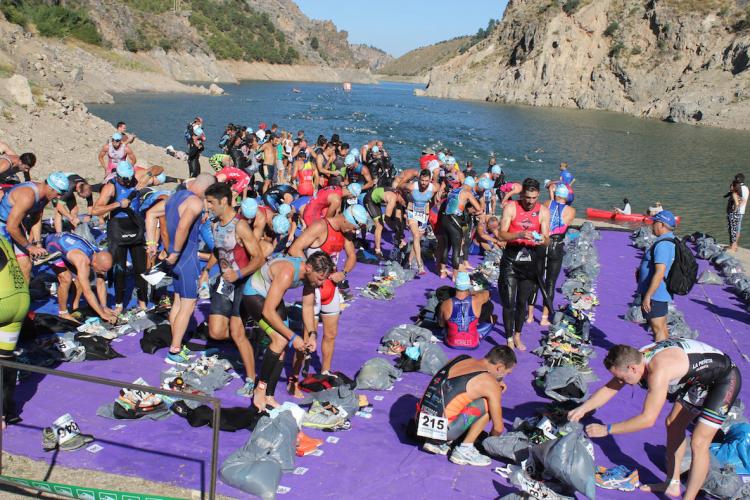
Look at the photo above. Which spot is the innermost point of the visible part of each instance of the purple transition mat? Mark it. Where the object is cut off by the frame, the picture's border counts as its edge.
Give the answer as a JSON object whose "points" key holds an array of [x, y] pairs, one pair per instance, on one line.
{"points": [[373, 459]]}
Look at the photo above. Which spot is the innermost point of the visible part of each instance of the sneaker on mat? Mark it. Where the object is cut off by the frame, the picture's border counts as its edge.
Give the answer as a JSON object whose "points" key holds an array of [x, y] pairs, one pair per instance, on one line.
{"points": [[46, 258], [180, 358], [246, 391], [320, 417], [436, 448], [306, 444], [617, 478], [532, 487], [469, 455], [49, 439]]}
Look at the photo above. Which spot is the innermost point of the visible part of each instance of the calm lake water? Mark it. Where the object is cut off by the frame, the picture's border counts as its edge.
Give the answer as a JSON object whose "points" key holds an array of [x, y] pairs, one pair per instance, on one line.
{"points": [[613, 156]]}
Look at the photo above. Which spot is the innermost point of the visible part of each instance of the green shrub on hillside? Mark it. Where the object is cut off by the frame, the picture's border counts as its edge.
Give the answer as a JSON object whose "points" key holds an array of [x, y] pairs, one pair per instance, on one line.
{"points": [[612, 28], [54, 21], [570, 6], [234, 31], [152, 6]]}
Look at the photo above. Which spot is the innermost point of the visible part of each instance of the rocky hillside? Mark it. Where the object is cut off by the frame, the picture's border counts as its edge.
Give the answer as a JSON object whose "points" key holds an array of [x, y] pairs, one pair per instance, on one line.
{"points": [[370, 57], [676, 60], [420, 61]]}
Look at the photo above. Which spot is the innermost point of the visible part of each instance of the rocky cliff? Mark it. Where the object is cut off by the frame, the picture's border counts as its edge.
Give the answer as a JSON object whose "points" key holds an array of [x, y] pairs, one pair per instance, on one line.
{"points": [[676, 60]]}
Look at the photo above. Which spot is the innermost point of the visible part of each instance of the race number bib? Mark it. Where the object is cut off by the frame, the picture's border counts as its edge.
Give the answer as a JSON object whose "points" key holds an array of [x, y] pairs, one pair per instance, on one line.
{"points": [[420, 217], [65, 428], [432, 427]]}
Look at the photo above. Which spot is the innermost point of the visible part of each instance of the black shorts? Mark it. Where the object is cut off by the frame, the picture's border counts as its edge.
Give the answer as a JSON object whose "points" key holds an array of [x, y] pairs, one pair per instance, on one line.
{"points": [[373, 209], [268, 172], [719, 399], [225, 305], [659, 309]]}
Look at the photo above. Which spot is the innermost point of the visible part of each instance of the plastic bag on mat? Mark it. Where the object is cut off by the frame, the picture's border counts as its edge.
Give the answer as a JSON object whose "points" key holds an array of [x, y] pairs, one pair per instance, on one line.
{"points": [[260, 478], [342, 396], [433, 358], [511, 446], [565, 383], [407, 334], [735, 450], [569, 460], [84, 231], [377, 374], [709, 277], [274, 439]]}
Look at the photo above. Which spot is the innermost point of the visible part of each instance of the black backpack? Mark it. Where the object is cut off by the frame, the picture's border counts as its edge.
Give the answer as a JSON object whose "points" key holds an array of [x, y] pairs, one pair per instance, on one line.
{"points": [[684, 271]]}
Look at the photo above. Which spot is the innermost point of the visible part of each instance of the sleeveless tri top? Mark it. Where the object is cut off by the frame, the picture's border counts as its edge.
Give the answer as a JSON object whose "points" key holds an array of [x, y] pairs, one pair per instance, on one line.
{"points": [[556, 224], [525, 221], [706, 364], [229, 250]]}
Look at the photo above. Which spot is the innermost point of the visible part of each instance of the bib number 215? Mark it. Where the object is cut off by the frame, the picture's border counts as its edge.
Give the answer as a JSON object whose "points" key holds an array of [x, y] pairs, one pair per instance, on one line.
{"points": [[432, 426]]}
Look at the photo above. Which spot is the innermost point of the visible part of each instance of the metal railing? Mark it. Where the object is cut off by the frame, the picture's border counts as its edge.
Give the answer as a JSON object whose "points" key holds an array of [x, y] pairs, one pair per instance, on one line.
{"points": [[213, 401]]}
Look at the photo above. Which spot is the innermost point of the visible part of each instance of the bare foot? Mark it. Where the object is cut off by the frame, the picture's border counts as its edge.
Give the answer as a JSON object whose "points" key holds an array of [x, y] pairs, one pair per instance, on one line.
{"points": [[544, 321], [292, 387], [271, 401], [670, 489], [530, 319], [68, 316], [259, 396], [517, 340], [511, 344]]}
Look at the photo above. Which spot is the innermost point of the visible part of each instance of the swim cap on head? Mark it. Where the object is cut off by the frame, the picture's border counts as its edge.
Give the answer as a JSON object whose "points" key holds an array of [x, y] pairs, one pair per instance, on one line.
{"points": [[375, 149], [463, 281], [432, 165], [566, 177], [284, 209], [449, 160], [281, 225], [486, 183], [441, 156], [198, 130], [350, 159], [117, 136], [356, 215], [260, 134], [162, 178], [469, 181], [59, 182], [125, 170], [497, 170], [355, 189], [249, 208], [562, 191]]}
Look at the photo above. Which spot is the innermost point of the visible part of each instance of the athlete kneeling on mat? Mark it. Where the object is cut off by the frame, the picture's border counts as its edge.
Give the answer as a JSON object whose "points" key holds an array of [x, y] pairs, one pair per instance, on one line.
{"points": [[708, 383], [78, 256], [461, 400], [467, 316]]}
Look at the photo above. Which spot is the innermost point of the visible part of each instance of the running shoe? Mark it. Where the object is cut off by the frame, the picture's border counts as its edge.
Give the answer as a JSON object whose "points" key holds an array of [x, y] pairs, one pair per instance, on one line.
{"points": [[535, 489], [436, 448], [617, 478], [46, 258], [469, 455], [324, 417], [246, 391], [49, 439], [181, 358], [306, 444]]}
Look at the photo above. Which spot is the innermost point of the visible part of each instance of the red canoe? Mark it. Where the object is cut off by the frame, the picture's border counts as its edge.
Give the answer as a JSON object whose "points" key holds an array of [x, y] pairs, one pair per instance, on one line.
{"points": [[595, 213]]}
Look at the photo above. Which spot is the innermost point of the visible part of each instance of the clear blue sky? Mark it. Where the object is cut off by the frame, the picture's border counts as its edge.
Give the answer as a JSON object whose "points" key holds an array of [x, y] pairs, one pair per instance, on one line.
{"points": [[398, 26]]}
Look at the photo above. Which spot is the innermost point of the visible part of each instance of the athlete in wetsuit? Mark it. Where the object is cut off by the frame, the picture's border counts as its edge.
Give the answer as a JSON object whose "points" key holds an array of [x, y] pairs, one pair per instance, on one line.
{"points": [[11, 165], [238, 254], [330, 236], [468, 393], [14, 304], [456, 225], [20, 217], [560, 217], [182, 211], [125, 232], [264, 302], [66, 207], [706, 383], [78, 257], [524, 225]]}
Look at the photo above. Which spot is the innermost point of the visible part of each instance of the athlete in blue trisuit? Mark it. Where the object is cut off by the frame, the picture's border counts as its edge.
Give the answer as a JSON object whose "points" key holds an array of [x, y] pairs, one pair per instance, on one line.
{"points": [[418, 194], [183, 212], [78, 257]]}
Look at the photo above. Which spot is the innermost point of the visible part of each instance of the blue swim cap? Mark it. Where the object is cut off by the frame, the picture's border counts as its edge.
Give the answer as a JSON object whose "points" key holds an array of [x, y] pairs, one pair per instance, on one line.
{"points": [[486, 183], [281, 225], [125, 170], [562, 191], [59, 182], [497, 170], [566, 177], [469, 181], [249, 208], [463, 281], [162, 178], [117, 136], [450, 160], [441, 157], [284, 209], [350, 159], [198, 130], [355, 189], [375, 150], [356, 215]]}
